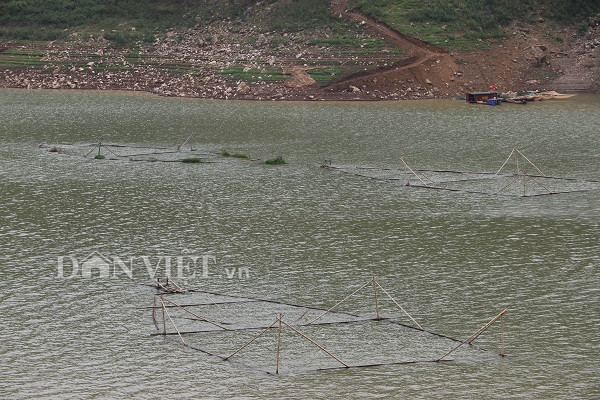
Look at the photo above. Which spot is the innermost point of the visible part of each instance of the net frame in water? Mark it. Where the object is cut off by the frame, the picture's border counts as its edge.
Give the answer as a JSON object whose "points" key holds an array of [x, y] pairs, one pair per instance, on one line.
{"points": [[518, 176], [172, 289], [135, 153]]}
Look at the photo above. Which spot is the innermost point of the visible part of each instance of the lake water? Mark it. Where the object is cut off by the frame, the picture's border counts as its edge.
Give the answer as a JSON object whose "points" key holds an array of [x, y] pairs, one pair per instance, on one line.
{"points": [[305, 235]]}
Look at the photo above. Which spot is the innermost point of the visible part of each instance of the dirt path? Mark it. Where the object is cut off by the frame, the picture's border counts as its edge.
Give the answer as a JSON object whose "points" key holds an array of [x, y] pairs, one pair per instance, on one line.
{"points": [[411, 70], [407, 43]]}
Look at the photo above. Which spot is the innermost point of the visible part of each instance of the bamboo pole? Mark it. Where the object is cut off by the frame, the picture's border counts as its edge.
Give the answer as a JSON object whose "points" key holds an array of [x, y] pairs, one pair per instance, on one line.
{"points": [[315, 343], [172, 322], [167, 289], [340, 302], [519, 175], [542, 185], [177, 286], [411, 170], [510, 183], [91, 151], [110, 151], [529, 161], [399, 306], [184, 142], [475, 335], [376, 299], [278, 344], [197, 316], [502, 335], [509, 156], [251, 341], [154, 311], [163, 316]]}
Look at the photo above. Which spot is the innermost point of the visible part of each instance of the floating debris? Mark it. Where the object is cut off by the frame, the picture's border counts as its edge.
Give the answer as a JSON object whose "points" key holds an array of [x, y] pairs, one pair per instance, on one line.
{"points": [[276, 161], [191, 160]]}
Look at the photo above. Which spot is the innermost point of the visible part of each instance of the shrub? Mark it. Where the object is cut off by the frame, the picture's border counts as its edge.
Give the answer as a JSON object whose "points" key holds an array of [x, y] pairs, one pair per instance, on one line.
{"points": [[276, 161]]}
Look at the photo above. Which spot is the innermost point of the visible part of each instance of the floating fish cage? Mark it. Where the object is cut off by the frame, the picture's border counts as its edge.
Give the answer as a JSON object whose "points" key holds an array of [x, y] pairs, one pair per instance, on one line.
{"points": [[276, 337], [186, 152], [517, 177]]}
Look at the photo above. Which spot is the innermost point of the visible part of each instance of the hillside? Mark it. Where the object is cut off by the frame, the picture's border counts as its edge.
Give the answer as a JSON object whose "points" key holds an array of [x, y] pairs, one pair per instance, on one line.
{"points": [[300, 49]]}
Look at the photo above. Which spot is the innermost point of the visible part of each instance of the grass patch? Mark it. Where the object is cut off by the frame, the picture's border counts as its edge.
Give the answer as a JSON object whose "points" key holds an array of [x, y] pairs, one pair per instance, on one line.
{"points": [[226, 153], [99, 157], [276, 161], [344, 44], [128, 39], [297, 15], [556, 38], [191, 160], [582, 29], [241, 73], [324, 75], [469, 24], [52, 19], [452, 24]]}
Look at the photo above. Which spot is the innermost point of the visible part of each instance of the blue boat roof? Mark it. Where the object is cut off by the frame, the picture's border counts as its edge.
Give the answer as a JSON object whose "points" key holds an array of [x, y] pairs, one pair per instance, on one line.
{"points": [[483, 92]]}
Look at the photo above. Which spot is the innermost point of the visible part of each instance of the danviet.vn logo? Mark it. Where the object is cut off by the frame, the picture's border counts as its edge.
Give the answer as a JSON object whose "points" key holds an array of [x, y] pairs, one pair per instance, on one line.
{"points": [[183, 266]]}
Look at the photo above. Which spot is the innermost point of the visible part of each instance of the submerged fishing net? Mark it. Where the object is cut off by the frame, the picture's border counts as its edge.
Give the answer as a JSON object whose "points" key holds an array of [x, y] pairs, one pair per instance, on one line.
{"points": [[522, 179], [183, 153], [246, 331]]}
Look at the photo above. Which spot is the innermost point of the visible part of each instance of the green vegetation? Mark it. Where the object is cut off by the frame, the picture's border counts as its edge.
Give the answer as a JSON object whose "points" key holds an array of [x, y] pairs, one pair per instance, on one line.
{"points": [[556, 38], [126, 22], [225, 153], [296, 15], [191, 160], [276, 161], [582, 28], [99, 157], [324, 75], [469, 24], [241, 73], [345, 44]]}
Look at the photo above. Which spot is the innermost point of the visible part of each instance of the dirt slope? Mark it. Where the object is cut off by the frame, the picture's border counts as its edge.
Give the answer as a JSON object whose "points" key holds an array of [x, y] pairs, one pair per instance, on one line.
{"points": [[191, 63], [536, 56], [429, 72]]}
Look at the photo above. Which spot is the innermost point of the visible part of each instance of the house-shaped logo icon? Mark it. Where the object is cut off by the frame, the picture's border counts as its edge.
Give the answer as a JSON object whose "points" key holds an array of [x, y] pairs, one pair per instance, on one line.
{"points": [[95, 262]]}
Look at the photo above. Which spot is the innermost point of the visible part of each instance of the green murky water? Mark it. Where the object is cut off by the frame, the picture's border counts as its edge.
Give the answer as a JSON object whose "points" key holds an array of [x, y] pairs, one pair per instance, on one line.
{"points": [[303, 235]]}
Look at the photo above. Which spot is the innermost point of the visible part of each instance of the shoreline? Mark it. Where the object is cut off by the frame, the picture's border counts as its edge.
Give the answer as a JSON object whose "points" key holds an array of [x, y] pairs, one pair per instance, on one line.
{"points": [[328, 99]]}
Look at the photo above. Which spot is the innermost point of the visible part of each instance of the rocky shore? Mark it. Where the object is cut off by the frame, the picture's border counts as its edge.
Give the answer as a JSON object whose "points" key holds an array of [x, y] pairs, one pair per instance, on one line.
{"points": [[237, 62]]}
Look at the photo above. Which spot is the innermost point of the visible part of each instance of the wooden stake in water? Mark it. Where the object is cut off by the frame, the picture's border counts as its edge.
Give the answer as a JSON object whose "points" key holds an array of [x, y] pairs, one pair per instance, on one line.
{"points": [[339, 302], [163, 316], [376, 300], [171, 319], [399, 306], [315, 343], [200, 318], [154, 311], [251, 341], [502, 335], [475, 335], [278, 344]]}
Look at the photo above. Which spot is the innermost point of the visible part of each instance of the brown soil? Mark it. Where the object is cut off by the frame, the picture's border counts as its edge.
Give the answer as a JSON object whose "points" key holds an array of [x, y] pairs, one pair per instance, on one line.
{"points": [[531, 59], [536, 56]]}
